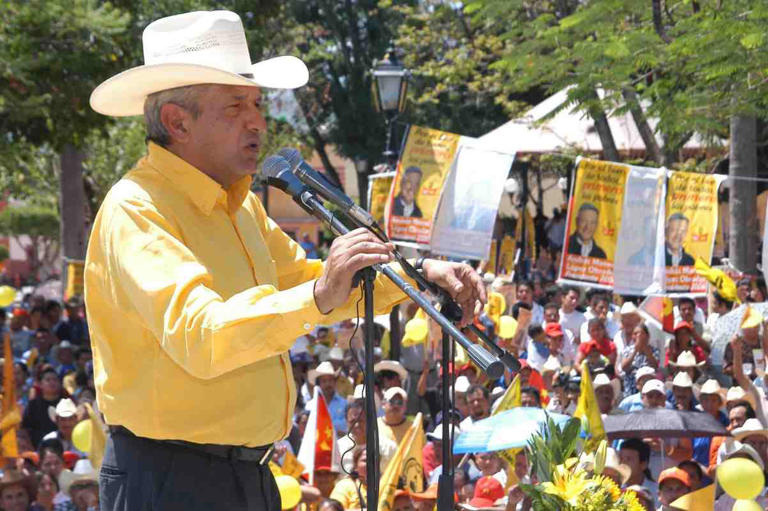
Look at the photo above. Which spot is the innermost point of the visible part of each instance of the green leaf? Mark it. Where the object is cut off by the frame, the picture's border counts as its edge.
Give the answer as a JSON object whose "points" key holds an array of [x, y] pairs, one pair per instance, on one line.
{"points": [[753, 40]]}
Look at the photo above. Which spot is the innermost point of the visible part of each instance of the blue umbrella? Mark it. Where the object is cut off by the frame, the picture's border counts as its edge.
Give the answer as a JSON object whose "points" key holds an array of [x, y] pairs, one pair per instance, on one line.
{"points": [[505, 430]]}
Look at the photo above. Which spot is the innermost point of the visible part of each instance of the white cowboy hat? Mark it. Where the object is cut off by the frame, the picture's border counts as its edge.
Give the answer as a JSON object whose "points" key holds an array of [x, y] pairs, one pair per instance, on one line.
{"points": [[336, 353], [613, 462], [738, 394], [83, 472], [323, 369], [437, 433], [602, 380], [750, 427], [628, 308], [462, 384], [193, 48], [686, 359], [391, 365], [682, 380], [712, 386], [395, 391], [66, 408]]}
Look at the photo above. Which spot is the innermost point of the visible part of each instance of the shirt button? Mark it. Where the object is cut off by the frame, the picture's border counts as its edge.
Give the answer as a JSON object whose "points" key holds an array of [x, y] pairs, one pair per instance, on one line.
{"points": [[307, 326]]}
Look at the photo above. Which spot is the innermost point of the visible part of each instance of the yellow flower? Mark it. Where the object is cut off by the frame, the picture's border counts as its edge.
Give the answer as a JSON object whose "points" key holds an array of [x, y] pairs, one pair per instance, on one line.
{"points": [[566, 485]]}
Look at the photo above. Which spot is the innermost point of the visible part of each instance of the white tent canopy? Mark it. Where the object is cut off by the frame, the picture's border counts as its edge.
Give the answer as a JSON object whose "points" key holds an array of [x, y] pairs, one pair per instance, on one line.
{"points": [[568, 128]]}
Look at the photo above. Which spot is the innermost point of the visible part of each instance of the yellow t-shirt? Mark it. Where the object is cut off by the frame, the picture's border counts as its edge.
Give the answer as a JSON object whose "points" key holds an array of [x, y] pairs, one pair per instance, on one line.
{"points": [[346, 492]]}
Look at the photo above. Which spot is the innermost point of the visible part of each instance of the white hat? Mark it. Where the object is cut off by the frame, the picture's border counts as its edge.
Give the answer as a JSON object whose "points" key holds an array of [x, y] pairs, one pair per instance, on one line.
{"points": [[193, 48], [645, 371], [654, 386], [358, 393], [686, 359], [738, 394], [65, 344], [712, 386], [394, 391], [66, 408], [552, 364], [602, 380], [336, 353], [391, 365], [628, 308], [83, 471], [750, 427], [323, 369], [437, 433], [462, 384], [682, 379], [737, 448], [612, 461]]}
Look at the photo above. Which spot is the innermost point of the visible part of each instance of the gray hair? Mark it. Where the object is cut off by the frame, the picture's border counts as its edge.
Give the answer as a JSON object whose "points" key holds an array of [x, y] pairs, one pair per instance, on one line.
{"points": [[186, 97]]}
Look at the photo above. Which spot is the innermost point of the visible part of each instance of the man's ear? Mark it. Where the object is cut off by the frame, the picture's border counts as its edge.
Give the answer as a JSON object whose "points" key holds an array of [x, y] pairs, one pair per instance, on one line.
{"points": [[176, 121]]}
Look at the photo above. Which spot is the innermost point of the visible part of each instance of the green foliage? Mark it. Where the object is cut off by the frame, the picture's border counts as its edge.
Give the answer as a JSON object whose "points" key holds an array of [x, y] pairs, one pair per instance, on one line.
{"points": [[552, 446], [4, 253], [31, 220]]}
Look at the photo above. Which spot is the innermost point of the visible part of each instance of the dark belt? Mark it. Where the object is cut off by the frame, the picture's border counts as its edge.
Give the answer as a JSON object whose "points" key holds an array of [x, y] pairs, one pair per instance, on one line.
{"points": [[260, 455]]}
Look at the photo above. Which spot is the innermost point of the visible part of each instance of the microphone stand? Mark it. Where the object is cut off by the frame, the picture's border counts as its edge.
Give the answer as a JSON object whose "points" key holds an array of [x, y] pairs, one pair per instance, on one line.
{"points": [[484, 360]]}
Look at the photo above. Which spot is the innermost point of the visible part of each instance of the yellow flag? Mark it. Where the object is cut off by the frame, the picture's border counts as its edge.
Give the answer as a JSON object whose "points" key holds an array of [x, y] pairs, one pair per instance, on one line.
{"points": [[588, 411], [406, 464], [752, 318], [10, 408], [511, 397], [292, 466], [98, 437], [701, 499], [718, 278]]}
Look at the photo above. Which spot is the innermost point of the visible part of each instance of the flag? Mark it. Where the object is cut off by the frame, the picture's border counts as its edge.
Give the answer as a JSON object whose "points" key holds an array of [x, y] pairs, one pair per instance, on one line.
{"points": [[10, 411], [318, 447], [291, 465], [588, 411], [659, 311], [98, 437], [751, 319], [511, 397], [718, 278], [495, 307], [703, 498], [405, 465]]}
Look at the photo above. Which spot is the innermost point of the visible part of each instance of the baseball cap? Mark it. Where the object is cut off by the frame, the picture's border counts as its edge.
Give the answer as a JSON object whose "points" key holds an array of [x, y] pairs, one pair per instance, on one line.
{"points": [[675, 473], [487, 491], [683, 324], [553, 330], [645, 371], [653, 386], [394, 391]]}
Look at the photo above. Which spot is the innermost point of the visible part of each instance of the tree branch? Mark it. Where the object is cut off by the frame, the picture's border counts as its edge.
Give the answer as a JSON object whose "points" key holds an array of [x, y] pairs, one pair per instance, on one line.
{"points": [[651, 146], [658, 23]]}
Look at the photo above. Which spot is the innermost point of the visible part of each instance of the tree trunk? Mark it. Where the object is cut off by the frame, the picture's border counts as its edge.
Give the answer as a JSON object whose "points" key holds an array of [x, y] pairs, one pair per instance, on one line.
{"points": [[652, 150], [362, 167], [73, 205], [658, 22], [604, 132], [742, 241], [319, 144]]}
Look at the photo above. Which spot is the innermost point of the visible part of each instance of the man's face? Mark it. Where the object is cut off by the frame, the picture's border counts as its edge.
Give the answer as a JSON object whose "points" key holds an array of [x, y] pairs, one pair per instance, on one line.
{"points": [[528, 399], [683, 397], [596, 331], [676, 232], [15, 498], [50, 383], [631, 458], [630, 321], [356, 421], [409, 185], [641, 381], [327, 384], [524, 294], [671, 490], [551, 315], [710, 403], [687, 312], [555, 343], [66, 425], [324, 481], [586, 224], [394, 409], [601, 309], [52, 464], [653, 399], [226, 135], [570, 301], [737, 416], [604, 395], [487, 462], [479, 407]]}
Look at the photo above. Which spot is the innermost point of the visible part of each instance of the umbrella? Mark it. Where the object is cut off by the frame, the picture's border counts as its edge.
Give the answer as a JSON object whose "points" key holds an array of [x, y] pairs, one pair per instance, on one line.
{"points": [[662, 423], [505, 430], [726, 327]]}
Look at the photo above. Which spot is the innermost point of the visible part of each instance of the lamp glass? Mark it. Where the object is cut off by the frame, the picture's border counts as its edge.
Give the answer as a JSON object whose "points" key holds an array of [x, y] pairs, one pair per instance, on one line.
{"points": [[389, 90]]}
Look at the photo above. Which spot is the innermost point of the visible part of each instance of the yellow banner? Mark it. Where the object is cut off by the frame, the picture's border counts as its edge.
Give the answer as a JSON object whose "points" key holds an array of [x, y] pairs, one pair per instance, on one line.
{"points": [[594, 220], [405, 465], [75, 278], [690, 228], [378, 190], [10, 409], [421, 172], [506, 256]]}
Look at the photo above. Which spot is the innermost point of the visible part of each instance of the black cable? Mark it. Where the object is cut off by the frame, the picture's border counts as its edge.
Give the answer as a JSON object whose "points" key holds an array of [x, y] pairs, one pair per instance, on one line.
{"points": [[353, 474]]}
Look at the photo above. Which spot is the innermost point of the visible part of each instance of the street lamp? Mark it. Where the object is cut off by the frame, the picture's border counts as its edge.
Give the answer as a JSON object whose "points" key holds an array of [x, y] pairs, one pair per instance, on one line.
{"points": [[390, 84]]}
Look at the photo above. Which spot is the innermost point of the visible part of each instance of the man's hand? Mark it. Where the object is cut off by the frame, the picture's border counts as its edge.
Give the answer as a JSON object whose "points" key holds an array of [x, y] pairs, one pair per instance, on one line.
{"points": [[461, 282], [353, 251]]}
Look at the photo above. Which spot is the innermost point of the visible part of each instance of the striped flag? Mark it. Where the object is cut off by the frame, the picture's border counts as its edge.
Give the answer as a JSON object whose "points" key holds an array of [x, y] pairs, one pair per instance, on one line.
{"points": [[318, 447]]}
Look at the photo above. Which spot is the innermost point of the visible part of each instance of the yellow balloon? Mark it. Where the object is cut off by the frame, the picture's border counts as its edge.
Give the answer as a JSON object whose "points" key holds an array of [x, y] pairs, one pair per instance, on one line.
{"points": [[741, 478], [7, 295], [496, 305], [746, 505], [81, 436], [415, 332], [507, 327], [290, 491]]}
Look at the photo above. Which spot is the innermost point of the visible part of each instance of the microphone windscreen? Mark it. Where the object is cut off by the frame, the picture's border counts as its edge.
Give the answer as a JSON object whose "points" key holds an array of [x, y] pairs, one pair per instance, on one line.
{"points": [[274, 166], [292, 155]]}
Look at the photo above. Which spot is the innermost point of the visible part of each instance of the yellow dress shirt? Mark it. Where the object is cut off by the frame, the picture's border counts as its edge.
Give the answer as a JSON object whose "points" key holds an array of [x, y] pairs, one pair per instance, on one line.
{"points": [[194, 297]]}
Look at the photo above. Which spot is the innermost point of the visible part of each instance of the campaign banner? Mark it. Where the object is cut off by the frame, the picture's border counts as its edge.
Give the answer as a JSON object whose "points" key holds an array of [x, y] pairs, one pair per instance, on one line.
{"points": [[594, 220], [463, 225], [424, 166], [379, 186], [689, 229]]}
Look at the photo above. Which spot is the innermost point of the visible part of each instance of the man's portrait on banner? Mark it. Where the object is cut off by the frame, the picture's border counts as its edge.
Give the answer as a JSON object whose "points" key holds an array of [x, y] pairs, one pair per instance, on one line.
{"points": [[582, 241], [405, 202], [674, 234]]}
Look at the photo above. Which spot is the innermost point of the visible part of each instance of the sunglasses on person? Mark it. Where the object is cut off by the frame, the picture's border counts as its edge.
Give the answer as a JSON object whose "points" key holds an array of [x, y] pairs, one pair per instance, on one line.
{"points": [[397, 401]]}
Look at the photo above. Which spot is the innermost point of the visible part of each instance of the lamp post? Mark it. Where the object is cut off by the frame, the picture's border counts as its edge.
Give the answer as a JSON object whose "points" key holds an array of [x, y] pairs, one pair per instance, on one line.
{"points": [[390, 85]]}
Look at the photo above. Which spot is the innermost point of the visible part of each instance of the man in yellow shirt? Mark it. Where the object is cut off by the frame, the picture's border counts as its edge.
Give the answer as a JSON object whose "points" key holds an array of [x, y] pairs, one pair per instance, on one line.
{"points": [[194, 295]]}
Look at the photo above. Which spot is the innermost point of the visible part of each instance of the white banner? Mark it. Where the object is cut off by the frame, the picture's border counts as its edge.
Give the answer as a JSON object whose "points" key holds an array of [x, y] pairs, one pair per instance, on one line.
{"points": [[463, 226]]}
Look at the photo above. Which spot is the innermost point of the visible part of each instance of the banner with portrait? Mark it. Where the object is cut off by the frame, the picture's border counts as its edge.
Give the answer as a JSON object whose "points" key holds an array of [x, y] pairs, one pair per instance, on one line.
{"points": [[593, 223], [379, 186], [424, 165], [690, 227], [463, 225]]}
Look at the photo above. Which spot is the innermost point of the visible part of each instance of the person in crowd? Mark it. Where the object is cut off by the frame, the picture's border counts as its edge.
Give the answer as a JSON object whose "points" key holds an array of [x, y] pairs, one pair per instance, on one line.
{"points": [[635, 454], [682, 392], [606, 393], [17, 491], [637, 353], [65, 358], [432, 453], [348, 490], [711, 401], [47, 489], [751, 340], [754, 434], [491, 465], [394, 424], [694, 471], [597, 335], [356, 438], [552, 314], [664, 452], [687, 311], [561, 348], [325, 378], [65, 417], [479, 399], [36, 419], [21, 335], [570, 317], [684, 341], [53, 314], [600, 308], [635, 401], [74, 328], [538, 347], [673, 484], [629, 318], [530, 396], [524, 295]]}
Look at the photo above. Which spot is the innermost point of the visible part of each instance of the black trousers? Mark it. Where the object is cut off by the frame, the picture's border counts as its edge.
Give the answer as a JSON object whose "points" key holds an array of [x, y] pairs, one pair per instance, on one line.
{"points": [[139, 474]]}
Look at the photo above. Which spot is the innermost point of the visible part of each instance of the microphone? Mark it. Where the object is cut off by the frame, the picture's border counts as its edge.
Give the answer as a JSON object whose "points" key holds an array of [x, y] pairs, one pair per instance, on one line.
{"points": [[323, 187], [278, 173]]}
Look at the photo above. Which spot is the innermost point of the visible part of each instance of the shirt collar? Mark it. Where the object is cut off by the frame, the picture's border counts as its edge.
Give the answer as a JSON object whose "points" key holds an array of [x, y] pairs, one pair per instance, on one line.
{"points": [[201, 189]]}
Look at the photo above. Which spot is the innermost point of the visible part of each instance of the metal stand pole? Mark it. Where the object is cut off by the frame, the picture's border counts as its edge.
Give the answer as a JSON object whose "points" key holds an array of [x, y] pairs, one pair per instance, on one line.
{"points": [[445, 488], [372, 430]]}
